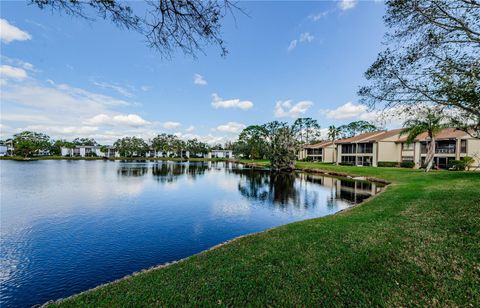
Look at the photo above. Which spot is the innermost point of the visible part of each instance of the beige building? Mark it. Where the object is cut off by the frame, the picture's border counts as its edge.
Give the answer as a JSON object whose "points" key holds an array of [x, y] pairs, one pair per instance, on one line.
{"points": [[450, 144], [322, 152], [369, 148]]}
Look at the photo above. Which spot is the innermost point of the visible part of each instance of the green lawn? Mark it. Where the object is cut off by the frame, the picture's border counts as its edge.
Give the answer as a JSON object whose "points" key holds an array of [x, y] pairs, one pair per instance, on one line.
{"points": [[418, 243]]}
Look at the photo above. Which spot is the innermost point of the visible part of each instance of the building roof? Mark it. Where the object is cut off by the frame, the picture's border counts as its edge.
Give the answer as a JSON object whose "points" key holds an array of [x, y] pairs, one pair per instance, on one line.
{"points": [[371, 136], [319, 145], [445, 134]]}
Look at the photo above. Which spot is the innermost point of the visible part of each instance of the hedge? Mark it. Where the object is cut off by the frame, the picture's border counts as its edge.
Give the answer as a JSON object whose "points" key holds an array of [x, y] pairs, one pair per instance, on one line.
{"points": [[387, 164]]}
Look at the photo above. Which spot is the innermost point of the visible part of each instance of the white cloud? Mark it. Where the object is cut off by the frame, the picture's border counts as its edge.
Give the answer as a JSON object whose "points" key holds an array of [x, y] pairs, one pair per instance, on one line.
{"points": [[18, 63], [114, 86], [347, 4], [287, 109], [190, 129], [218, 102], [318, 16], [10, 33], [120, 119], [199, 80], [305, 37], [7, 71], [171, 125], [145, 88], [347, 111], [63, 130], [292, 45], [230, 127]]}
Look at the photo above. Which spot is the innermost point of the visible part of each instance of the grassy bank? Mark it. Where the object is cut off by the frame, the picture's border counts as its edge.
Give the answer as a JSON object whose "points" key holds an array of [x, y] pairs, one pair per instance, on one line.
{"points": [[415, 244]]}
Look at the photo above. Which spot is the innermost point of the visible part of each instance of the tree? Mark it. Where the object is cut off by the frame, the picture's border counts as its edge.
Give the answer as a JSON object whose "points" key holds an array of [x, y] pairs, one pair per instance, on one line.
{"points": [[357, 127], [188, 25], [27, 143], [283, 146], [333, 133], [104, 149], [84, 141], [196, 147], [253, 143], [178, 146], [130, 146], [432, 57], [162, 142], [428, 121], [56, 147], [306, 130]]}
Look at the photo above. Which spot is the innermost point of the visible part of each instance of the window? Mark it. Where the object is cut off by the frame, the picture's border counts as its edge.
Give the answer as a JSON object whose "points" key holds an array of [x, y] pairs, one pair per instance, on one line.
{"points": [[314, 151], [407, 158], [407, 146], [463, 146], [365, 148], [349, 148], [348, 160]]}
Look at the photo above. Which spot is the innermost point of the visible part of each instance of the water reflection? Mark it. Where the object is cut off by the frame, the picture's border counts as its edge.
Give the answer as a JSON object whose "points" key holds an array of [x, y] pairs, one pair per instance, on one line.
{"points": [[90, 222]]}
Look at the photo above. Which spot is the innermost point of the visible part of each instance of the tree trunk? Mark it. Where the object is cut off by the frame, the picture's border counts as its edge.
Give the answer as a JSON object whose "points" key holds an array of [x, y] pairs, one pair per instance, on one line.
{"points": [[430, 155]]}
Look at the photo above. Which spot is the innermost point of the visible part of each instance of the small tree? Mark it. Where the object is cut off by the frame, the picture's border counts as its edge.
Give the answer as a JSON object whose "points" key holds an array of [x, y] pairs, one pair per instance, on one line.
{"points": [[428, 121], [468, 162], [282, 145]]}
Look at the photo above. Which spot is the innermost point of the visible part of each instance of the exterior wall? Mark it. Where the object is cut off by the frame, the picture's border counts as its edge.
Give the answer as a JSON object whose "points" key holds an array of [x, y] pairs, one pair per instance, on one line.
{"points": [[389, 151], [329, 154], [473, 150]]}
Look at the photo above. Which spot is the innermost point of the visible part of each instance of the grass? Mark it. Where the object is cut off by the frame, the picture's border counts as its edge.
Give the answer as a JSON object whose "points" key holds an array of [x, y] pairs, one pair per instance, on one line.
{"points": [[418, 243]]}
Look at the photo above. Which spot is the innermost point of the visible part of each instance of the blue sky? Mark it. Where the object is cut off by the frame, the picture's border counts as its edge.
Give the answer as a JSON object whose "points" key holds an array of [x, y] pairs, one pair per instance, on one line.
{"points": [[70, 78]]}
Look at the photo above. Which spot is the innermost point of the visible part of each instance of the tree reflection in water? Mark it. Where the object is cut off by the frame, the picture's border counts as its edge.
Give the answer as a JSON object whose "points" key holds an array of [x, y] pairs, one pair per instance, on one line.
{"points": [[274, 189], [278, 189], [168, 172], [282, 189], [132, 168]]}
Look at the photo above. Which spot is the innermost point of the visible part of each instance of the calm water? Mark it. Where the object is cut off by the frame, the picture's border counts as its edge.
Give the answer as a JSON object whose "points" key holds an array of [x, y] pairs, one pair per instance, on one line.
{"points": [[67, 226]]}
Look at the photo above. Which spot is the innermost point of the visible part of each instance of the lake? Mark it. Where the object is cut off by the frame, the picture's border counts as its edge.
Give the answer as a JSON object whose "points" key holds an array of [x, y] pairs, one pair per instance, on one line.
{"points": [[67, 226]]}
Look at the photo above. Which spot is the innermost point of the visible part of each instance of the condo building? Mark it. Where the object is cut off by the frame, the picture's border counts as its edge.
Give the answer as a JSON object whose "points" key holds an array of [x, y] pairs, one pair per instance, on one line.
{"points": [[390, 147]]}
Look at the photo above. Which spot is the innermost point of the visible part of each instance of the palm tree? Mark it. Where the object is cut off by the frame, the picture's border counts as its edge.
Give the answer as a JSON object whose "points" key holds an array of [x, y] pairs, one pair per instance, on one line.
{"points": [[430, 122], [333, 132]]}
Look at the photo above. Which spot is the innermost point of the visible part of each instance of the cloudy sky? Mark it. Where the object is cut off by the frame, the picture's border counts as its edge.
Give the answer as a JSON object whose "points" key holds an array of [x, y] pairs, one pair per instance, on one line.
{"points": [[70, 78]]}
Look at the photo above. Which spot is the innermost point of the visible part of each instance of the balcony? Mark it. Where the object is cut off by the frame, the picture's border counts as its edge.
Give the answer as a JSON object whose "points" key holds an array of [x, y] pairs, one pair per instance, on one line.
{"points": [[441, 147]]}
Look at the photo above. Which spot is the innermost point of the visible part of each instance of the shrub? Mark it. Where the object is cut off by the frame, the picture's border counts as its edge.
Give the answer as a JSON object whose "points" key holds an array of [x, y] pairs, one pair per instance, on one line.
{"points": [[468, 161], [407, 164], [456, 165], [346, 164], [387, 164]]}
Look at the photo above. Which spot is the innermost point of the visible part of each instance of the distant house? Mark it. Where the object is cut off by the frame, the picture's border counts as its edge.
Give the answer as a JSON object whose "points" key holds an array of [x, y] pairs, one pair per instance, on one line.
{"points": [[450, 144], [323, 151], [220, 154], [6, 148], [87, 151], [3, 150], [166, 154]]}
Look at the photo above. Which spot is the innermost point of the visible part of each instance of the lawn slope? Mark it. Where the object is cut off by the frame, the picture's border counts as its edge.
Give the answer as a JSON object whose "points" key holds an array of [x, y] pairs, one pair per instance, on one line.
{"points": [[418, 243]]}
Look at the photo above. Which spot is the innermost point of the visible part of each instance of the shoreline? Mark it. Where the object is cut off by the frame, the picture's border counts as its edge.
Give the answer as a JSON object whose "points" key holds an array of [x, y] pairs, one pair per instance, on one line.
{"points": [[227, 242]]}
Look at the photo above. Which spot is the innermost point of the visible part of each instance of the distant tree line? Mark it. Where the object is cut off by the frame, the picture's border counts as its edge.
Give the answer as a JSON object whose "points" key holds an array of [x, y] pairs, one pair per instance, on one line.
{"points": [[30, 143], [261, 141]]}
